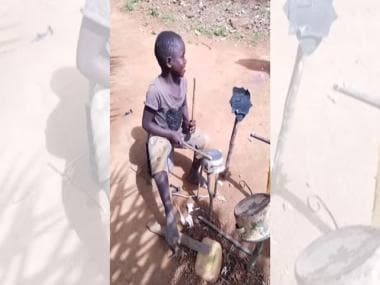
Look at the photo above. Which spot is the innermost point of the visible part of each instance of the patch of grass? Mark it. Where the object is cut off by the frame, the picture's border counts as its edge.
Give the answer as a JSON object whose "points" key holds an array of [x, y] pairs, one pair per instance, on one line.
{"points": [[153, 12], [256, 38], [220, 32], [168, 18], [201, 29], [129, 5], [237, 36]]}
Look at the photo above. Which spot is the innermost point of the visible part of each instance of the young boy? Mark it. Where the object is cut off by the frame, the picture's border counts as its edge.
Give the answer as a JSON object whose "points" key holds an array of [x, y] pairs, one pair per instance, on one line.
{"points": [[166, 119]]}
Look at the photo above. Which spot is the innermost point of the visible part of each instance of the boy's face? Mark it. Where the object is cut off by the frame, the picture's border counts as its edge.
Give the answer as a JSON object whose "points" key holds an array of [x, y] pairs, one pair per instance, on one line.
{"points": [[177, 62]]}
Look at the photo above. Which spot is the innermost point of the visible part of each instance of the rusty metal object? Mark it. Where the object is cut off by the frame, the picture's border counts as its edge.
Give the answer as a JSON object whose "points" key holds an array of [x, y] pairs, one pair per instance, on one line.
{"points": [[358, 95], [251, 216], [310, 21], [213, 167], [184, 239], [240, 103], [214, 163], [260, 138], [227, 237], [349, 255], [231, 146]]}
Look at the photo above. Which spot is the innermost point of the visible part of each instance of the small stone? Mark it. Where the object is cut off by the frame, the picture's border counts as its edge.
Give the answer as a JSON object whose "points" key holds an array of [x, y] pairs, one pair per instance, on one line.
{"points": [[232, 23], [239, 23], [208, 266]]}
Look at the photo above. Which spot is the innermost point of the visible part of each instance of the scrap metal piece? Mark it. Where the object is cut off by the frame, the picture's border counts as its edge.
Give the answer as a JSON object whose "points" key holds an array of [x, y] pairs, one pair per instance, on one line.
{"points": [[226, 236], [365, 98], [240, 102], [251, 215], [184, 239], [260, 138], [310, 21]]}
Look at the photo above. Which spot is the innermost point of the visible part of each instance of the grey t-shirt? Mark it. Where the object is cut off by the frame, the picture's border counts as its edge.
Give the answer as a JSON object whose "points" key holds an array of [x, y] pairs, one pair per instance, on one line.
{"points": [[168, 106]]}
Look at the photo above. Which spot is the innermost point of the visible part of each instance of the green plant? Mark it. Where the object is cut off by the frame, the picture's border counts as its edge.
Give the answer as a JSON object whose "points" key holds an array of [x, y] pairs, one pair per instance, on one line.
{"points": [[168, 18], [220, 31], [154, 12], [129, 5], [201, 29]]}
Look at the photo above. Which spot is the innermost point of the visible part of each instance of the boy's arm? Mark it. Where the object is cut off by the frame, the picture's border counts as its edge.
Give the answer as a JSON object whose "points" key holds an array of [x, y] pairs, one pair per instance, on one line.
{"points": [[151, 127], [188, 125], [185, 115]]}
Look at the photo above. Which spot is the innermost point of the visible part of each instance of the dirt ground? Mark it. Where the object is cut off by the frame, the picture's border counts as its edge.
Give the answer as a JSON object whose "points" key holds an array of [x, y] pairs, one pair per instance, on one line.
{"points": [[137, 255], [245, 21]]}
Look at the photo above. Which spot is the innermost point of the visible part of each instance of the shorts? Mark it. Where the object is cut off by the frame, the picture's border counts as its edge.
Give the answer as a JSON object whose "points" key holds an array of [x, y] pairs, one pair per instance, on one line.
{"points": [[160, 151]]}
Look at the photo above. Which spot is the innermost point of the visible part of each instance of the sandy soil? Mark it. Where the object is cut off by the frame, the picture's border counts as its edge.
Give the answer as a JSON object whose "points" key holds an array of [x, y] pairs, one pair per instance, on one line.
{"points": [[51, 226], [138, 256]]}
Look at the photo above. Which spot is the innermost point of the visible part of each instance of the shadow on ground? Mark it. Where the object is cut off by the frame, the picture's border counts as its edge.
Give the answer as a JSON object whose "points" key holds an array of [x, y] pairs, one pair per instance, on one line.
{"points": [[134, 250], [67, 137], [255, 64]]}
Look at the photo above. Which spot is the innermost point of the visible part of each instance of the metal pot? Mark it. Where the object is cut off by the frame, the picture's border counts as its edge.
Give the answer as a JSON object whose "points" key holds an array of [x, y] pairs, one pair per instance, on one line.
{"points": [[251, 216]]}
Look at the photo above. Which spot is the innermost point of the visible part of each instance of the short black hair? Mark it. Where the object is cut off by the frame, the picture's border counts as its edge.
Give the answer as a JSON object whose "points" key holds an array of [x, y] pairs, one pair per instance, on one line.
{"points": [[165, 45]]}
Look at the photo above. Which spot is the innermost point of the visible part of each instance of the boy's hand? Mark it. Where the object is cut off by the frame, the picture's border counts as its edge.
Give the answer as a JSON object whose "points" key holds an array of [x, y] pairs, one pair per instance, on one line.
{"points": [[192, 126], [189, 127], [176, 139]]}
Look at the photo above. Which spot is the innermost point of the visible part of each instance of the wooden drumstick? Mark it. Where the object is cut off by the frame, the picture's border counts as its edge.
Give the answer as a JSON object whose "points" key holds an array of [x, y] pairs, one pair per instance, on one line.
{"points": [[197, 150], [193, 103]]}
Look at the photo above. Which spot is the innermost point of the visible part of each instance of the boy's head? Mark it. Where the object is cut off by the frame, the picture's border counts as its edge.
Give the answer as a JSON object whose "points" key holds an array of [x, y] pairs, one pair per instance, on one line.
{"points": [[170, 53]]}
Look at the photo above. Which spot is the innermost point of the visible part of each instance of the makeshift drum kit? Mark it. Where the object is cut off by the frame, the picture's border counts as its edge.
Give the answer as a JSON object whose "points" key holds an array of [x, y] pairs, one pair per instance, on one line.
{"points": [[251, 213], [213, 164], [212, 160]]}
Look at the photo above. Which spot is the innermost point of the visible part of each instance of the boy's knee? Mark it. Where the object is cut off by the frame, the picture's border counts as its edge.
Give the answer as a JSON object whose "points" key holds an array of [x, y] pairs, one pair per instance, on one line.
{"points": [[159, 150], [160, 145]]}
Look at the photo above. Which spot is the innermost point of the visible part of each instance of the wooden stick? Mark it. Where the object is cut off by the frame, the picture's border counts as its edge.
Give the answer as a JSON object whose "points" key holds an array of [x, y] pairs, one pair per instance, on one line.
{"points": [[197, 150], [288, 113], [193, 103], [230, 148], [365, 98], [260, 138]]}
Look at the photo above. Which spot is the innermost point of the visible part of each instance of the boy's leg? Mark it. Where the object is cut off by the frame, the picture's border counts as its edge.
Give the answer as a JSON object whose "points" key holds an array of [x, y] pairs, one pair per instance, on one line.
{"points": [[162, 182], [199, 141], [159, 150]]}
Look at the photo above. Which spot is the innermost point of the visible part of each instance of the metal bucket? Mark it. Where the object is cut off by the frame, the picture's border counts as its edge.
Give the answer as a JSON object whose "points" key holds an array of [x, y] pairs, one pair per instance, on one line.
{"points": [[216, 164], [251, 216], [348, 256]]}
